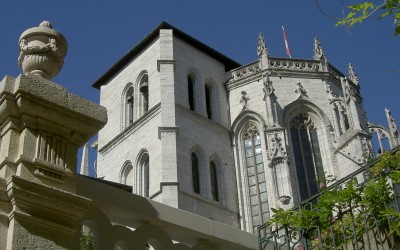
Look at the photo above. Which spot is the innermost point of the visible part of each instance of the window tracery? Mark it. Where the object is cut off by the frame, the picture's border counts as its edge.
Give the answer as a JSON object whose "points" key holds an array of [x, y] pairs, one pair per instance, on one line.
{"points": [[257, 188], [307, 155]]}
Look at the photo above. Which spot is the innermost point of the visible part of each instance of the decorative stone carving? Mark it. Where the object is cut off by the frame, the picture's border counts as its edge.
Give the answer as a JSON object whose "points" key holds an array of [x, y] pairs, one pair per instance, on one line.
{"points": [[278, 162], [244, 99], [277, 150], [300, 65], [392, 123], [318, 51], [349, 93], [352, 75], [245, 71], [328, 90], [300, 90], [261, 48], [367, 148], [42, 51], [268, 88]]}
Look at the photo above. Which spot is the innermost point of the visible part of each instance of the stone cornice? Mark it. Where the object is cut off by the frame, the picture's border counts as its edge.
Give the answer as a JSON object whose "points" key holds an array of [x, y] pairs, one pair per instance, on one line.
{"points": [[282, 67], [149, 115], [200, 118], [159, 62]]}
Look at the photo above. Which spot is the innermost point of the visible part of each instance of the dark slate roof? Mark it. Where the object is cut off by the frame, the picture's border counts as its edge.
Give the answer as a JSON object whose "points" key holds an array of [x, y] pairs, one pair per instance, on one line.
{"points": [[110, 183], [229, 63]]}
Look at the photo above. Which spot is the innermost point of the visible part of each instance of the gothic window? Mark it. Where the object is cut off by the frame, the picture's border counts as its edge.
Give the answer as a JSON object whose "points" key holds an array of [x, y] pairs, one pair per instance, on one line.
{"points": [[129, 106], [144, 175], [144, 94], [307, 155], [127, 174], [257, 187], [195, 174], [208, 102], [191, 92], [214, 181]]}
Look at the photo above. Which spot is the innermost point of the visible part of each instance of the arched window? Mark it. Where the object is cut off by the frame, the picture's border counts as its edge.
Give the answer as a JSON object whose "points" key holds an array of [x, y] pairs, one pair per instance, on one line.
{"points": [[129, 106], [257, 187], [144, 94], [144, 175], [195, 173], [127, 174], [191, 92], [214, 181], [307, 156], [208, 102]]}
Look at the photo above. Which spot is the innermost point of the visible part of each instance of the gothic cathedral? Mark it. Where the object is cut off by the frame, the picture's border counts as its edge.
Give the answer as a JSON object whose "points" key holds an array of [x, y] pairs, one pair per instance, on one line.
{"points": [[193, 129]]}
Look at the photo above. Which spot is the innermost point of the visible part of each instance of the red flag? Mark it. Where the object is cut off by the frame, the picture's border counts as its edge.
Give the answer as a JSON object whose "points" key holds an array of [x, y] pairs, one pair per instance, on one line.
{"points": [[286, 43]]}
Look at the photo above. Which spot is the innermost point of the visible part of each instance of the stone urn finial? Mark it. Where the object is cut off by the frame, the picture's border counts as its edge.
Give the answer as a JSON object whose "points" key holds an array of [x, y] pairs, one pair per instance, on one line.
{"points": [[42, 51]]}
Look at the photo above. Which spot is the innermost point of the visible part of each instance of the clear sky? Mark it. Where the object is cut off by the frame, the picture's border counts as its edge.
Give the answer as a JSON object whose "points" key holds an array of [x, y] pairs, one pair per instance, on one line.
{"points": [[100, 32]]}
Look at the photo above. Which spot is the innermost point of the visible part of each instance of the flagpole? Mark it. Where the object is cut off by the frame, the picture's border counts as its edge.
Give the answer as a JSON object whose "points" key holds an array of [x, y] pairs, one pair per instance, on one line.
{"points": [[286, 43]]}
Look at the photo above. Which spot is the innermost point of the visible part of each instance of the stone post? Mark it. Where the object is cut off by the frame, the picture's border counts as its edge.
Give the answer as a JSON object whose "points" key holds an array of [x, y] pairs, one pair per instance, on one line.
{"points": [[42, 128]]}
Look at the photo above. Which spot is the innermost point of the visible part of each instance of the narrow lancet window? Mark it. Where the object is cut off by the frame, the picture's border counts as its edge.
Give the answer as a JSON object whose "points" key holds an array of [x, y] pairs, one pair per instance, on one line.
{"points": [[191, 93], [144, 175], [214, 181], [195, 174], [257, 187], [129, 106], [144, 94], [208, 102], [307, 156]]}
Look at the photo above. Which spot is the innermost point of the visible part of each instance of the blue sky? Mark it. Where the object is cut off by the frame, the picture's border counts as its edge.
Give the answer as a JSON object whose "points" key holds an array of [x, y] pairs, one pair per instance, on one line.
{"points": [[100, 32]]}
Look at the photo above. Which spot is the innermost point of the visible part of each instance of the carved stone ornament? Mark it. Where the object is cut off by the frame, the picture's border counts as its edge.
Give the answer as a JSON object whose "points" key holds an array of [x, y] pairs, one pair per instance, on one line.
{"points": [[261, 48], [244, 99], [300, 90], [352, 75], [42, 51], [349, 92], [318, 51], [268, 88], [277, 150], [392, 123]]}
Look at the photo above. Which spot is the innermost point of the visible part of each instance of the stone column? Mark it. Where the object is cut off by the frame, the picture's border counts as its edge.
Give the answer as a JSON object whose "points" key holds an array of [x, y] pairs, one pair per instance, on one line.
{"points": [[42, 128], [168, 131]]}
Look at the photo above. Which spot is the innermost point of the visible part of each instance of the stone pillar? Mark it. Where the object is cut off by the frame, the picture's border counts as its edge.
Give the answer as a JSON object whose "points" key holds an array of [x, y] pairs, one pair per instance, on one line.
{"points": [[42, 128], [168, 131]]}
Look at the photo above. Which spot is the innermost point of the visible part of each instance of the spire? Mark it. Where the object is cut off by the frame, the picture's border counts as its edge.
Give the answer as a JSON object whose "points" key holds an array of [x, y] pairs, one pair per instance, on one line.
{"points": [[352, 75], [261, 48], [262, 52], [392, 123], [318, 51], [85, 161]]}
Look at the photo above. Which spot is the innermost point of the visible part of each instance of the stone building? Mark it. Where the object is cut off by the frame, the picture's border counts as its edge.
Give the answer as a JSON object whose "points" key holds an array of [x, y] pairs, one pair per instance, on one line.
{"points": [[193, 129], [194, 149]]}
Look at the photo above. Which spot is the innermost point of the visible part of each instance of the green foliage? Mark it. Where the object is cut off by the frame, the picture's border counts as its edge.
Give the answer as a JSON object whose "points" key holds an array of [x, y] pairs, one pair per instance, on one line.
{"points": [[359, 12], [86, 241], [342, 212]]}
